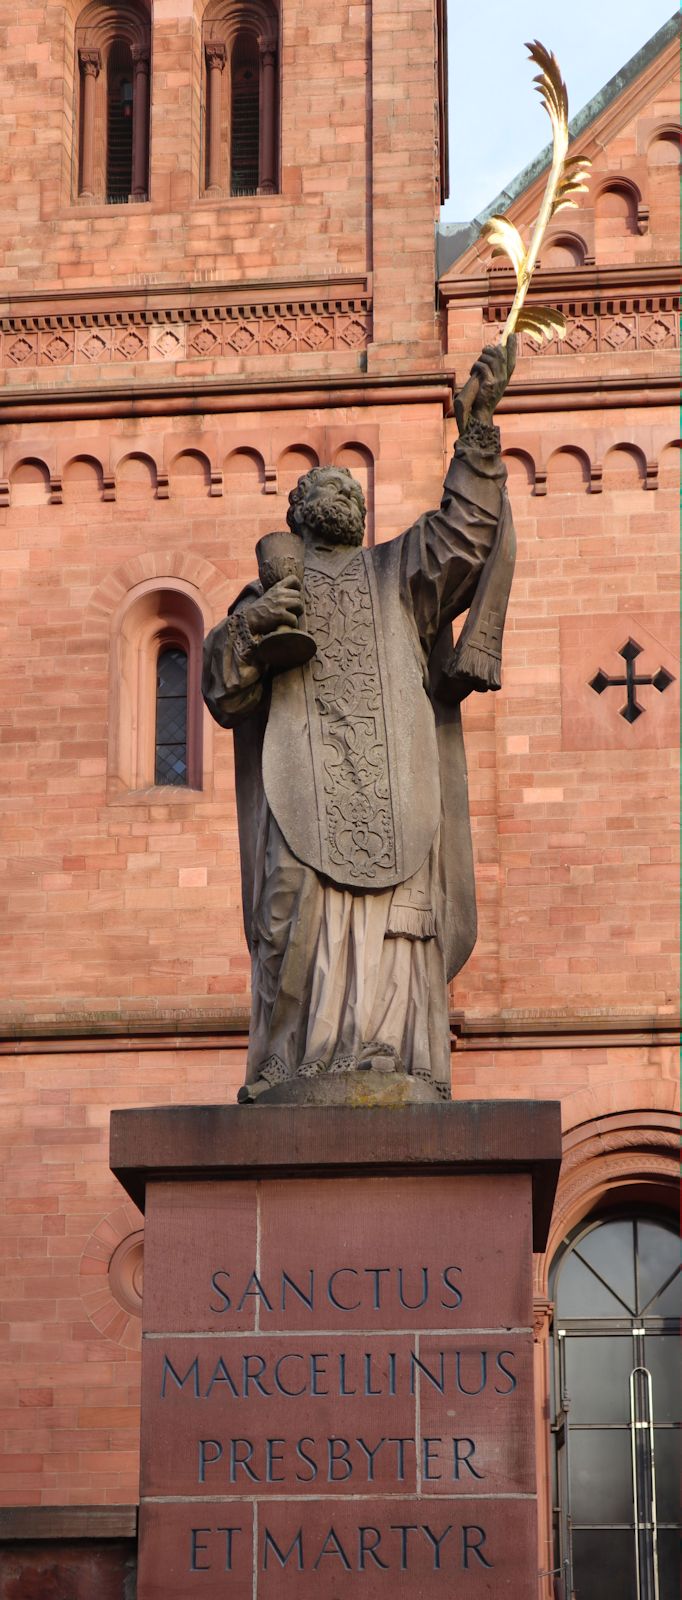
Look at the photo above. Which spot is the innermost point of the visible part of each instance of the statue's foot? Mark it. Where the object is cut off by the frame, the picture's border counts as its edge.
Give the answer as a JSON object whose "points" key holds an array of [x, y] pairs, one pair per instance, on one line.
{"points": [[378, 1057], [252, 1091]]}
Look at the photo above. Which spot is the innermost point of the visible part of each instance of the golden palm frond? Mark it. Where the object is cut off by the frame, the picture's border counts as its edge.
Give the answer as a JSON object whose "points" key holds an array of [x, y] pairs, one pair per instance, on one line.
{"points": [[576, 168], [541, 322], [551, 88], [565, 180], [506, 241]]}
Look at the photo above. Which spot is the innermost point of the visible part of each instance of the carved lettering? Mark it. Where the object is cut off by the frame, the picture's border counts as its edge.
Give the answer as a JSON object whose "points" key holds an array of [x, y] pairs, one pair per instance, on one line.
{"points": [[437, 1379], [331, 1289], [367, 1549], [303, 1456], [473, 1542], [254, 1288], [222, 1292], [333, 1547], [427, 1460], [404, 1529], [436, 1541], [292, 1355], [169, 1371], [270, 1543], [499, 1362], [333, 1373], [482, 1356], [222, 1375], [346, 1288], [198, 1548], [206, 1459], [451, 1305], [272, 1460], [307, 1299], [462, 1458], [414, 1305]]}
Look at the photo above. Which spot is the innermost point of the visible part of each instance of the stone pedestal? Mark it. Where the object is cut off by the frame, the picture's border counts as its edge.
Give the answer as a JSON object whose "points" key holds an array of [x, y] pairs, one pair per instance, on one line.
{"points": [[337, 1394]]}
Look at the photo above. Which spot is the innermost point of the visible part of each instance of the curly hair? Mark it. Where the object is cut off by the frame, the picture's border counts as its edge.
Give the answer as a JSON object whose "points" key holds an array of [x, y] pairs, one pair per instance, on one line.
{"points": [[319, 506]]}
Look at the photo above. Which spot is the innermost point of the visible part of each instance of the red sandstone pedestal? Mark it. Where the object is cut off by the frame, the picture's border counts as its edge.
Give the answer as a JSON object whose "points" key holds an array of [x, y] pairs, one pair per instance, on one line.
{"points": [[337, 1395]]}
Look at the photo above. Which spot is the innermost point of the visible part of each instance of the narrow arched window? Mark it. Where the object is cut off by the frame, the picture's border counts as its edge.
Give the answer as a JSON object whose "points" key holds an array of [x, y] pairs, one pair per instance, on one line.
{"points": [[119, 123], [241, 98], [113, 45], [156, 730], [170, 744], [245, 112]]}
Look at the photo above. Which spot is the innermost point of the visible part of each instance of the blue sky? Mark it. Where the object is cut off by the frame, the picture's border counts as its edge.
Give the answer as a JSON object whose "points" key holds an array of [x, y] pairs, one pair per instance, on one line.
{"points": [[497, 124]]}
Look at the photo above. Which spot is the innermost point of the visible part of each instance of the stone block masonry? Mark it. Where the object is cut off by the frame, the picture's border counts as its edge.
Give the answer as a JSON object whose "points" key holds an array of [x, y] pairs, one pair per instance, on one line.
{"points": [[336, 1387]]}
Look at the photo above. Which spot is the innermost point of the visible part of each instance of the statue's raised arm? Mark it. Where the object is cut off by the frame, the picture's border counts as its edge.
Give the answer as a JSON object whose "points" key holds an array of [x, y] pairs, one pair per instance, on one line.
{"points": [[357, 873]]}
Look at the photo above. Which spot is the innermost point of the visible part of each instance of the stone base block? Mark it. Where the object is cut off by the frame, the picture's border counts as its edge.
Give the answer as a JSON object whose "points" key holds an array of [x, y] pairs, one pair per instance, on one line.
{"points": [[337, 1394]]}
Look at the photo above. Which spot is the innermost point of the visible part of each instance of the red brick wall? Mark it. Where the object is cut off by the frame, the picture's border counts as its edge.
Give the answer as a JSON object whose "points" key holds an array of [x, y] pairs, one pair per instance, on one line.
{"points": [[358, 184], [121, 912], [575, 806]]}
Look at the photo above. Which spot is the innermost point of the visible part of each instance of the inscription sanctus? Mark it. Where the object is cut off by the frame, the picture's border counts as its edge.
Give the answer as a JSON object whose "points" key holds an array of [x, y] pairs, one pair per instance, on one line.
{"points": [[321, 1422]]}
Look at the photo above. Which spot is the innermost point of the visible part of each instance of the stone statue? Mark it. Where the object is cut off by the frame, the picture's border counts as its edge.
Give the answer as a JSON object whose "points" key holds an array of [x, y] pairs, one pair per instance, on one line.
{"points": [[357, 871]]}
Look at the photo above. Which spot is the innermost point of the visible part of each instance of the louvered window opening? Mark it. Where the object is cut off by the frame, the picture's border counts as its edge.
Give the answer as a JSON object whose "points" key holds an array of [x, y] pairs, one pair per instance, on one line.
{"points": [[244, 133], [171, 716], [119, 124]]}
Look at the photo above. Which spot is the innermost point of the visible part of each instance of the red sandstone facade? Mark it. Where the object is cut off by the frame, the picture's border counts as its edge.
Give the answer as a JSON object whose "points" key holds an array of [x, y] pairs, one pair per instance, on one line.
{"points": [[169, 366]]}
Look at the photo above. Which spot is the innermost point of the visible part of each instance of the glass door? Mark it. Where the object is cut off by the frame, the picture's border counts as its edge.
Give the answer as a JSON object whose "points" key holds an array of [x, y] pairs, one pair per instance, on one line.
{"points": [[617, 1289]]}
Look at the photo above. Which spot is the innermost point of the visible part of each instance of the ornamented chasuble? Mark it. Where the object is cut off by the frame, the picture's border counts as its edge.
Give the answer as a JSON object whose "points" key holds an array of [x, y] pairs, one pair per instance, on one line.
{"points": [[350, 759], [348, 726]]}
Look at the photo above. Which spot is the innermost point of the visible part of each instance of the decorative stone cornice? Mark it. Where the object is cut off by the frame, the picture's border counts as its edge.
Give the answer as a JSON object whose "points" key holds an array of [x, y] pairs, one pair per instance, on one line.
{"points": [[607, 310], [204, 324]]}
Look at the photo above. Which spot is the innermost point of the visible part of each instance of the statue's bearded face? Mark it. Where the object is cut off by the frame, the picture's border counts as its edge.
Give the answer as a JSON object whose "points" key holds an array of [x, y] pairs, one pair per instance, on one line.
{"points": [[328, 507]]}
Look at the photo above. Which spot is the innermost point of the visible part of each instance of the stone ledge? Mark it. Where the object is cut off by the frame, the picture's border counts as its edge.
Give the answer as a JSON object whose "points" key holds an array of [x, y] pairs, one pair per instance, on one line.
{"points": [[32, 1523], [195, 1143]]}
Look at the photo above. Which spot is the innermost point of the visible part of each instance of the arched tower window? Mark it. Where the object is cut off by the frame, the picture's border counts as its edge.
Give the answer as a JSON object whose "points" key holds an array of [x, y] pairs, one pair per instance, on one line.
{"points": [[241, 97], [170, 739], [617, 1289], [244, 115], [113, 45], [119, 122], [157, 717]]}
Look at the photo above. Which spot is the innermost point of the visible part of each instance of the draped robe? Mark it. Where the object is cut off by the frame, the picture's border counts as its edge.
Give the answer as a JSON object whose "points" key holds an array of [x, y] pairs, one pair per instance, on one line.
{"points": [[355, 844]]}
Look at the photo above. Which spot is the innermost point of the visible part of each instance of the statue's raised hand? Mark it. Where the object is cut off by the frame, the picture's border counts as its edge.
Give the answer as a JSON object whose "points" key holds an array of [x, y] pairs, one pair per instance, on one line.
{"points": [[485, 387], [280, 607]]}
